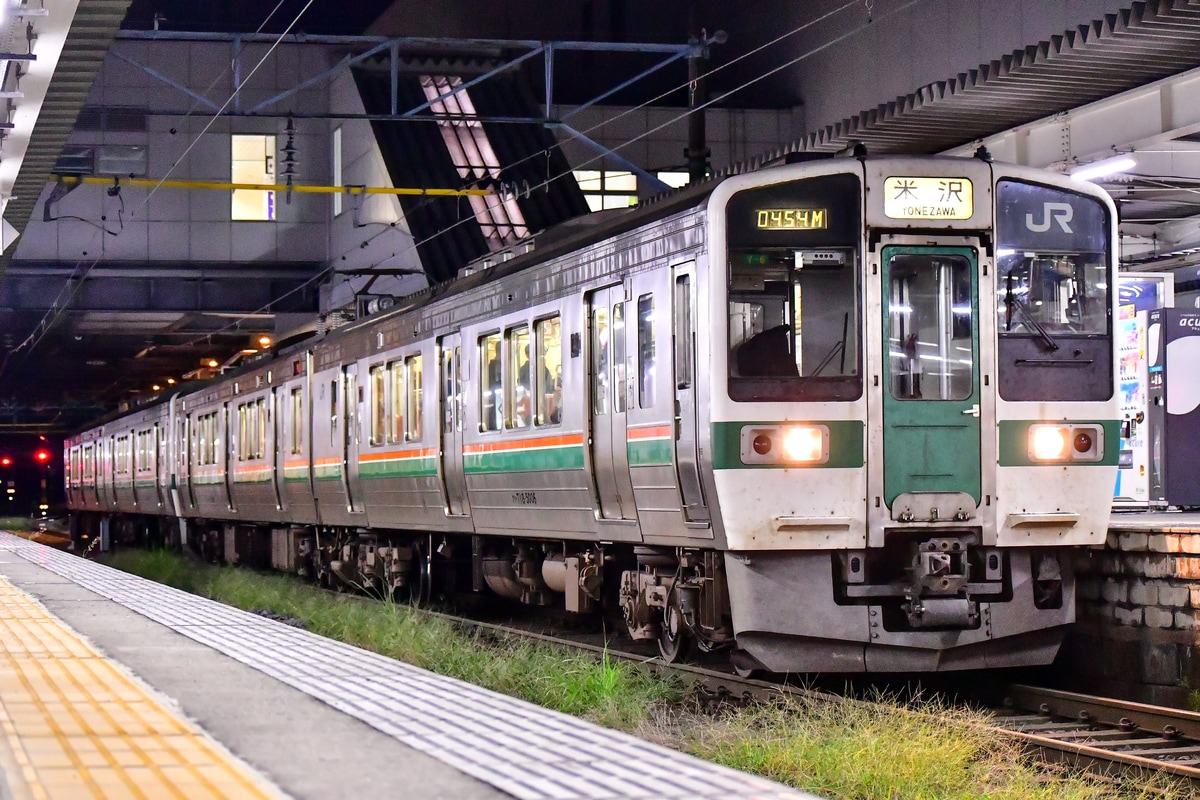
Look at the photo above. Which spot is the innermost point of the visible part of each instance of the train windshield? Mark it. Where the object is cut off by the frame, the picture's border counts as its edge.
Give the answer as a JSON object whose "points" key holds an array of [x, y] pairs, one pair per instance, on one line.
{"points": [[1053, 301], [794, 294], [1052, 263]]}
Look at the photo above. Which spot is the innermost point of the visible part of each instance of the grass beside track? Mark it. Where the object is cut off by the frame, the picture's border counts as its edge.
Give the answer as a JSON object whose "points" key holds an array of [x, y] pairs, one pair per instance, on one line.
{"points": [[834, 748]]}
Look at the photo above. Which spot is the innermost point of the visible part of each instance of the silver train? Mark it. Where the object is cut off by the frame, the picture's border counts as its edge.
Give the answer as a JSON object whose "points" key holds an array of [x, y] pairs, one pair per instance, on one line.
{"points": [[848, 415]]}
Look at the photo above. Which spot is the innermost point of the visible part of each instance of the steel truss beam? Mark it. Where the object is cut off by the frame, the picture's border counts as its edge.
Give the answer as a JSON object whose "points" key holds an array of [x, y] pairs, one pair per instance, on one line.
{"points": [[187, 290], [1144, 121], [527, 49]]}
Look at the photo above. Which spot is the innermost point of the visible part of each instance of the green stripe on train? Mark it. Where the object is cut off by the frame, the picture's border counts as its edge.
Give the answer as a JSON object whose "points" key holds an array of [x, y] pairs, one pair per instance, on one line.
{"points": [[648, 452], [526, 460], [399, 468], [845, 444], [1014, 442]]}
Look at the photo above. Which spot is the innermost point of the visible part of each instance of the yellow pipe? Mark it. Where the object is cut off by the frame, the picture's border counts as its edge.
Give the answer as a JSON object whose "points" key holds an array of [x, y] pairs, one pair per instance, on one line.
{"points": [[270, 187]]}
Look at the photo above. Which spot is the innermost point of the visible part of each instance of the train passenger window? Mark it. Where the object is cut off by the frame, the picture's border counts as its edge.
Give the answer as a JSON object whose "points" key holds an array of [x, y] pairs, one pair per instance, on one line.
{"points": [[618, 358], [520, 383], [352, 401], [297, 421], [378, 433], [930, 327], [600, 376], [333, 413], [450, 409], [645, 322], [793, 325], [412, 410], [548, 357], [261, 417], [395, 431], [491, 396], [243, 432], [683, 332]]}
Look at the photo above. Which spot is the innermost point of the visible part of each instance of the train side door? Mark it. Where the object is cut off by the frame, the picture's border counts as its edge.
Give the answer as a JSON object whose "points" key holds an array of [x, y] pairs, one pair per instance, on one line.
{"points": [[450, 405], [684, 348], [183, 459], [228, 454], [350, 406], [608, 339], [276, 443], [931, 400]]}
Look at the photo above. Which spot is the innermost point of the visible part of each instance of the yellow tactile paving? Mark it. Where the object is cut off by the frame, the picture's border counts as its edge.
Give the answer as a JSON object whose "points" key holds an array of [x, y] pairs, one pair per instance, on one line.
{"points": [[74, 725]]}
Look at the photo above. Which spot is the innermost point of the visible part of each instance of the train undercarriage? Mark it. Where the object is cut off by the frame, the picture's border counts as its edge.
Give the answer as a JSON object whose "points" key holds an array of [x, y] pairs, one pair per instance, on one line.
{"points": [[926, 601]]}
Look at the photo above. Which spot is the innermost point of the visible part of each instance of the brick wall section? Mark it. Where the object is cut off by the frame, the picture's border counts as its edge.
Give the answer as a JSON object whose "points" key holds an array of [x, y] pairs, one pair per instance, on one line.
{"points": [[1138, 631]]}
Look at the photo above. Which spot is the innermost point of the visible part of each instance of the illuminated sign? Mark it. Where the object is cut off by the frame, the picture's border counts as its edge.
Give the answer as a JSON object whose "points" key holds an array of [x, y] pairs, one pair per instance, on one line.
{"points": [[927, 198], [791, 219]]}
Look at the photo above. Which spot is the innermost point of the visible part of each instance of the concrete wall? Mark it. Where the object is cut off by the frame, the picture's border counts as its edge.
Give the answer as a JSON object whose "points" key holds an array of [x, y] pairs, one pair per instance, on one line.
{"points": [[1139, 613], [903, 48], [370, 231], [185, 143]]}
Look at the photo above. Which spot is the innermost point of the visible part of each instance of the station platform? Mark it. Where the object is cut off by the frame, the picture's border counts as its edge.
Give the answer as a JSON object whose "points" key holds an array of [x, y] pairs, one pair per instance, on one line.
{"points": [[114, 686], [1141, 521]]}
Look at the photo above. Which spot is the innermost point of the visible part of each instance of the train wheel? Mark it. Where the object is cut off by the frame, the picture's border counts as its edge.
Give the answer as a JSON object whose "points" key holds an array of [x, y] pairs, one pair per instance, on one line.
{"points": [[422, 587], [674, 639]]}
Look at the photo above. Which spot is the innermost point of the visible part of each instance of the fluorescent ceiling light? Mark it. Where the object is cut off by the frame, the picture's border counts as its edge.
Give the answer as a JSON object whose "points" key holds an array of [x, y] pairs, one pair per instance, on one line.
{"points": [[1104, 168]]}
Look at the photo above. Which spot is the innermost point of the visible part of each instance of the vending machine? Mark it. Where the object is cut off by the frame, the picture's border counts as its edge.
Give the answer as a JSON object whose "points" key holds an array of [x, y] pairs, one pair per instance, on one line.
{"points": [[1138, 294], [1173, 367], [1133, 477]]}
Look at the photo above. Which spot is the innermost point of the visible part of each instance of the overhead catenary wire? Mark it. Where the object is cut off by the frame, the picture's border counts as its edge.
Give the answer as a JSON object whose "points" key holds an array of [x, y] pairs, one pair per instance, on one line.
{"points": [[47, 323], [683, 115], [56, 310]]}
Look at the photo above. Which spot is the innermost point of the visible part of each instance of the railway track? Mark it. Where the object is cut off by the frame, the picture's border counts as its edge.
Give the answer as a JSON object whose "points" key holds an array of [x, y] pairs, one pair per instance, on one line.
{"points": [[1104, 735]]}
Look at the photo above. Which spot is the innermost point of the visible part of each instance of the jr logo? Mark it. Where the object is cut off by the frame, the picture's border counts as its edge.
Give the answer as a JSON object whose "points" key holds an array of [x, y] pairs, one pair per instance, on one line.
{"points": [[1057, 212]]}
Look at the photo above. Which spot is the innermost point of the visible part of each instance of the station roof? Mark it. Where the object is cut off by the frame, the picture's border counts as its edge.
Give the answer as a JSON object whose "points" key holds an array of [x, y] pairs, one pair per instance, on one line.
{"points": [[1010, 103]]}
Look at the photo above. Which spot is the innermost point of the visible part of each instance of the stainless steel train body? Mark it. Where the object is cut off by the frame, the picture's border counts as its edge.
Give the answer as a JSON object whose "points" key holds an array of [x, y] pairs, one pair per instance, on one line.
{"points": [[849, 415]]}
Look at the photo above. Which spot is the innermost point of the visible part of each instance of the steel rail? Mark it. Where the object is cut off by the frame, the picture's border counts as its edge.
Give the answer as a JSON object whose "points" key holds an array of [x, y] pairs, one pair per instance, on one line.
{"points": [[1101, 735]]}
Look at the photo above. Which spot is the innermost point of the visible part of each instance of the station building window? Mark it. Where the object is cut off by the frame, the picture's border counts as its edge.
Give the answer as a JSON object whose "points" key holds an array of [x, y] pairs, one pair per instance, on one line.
{"points": [[605, 189], [253, 161], [673, 178]]}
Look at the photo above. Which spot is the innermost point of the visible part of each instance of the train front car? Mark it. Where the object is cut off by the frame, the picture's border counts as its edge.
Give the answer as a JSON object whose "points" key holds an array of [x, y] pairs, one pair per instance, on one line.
{"points": [[913, 412]]}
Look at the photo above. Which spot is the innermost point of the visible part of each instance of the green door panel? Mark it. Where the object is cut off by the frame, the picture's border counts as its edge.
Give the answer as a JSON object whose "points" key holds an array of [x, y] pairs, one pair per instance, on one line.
{"points": [[931, 425]]}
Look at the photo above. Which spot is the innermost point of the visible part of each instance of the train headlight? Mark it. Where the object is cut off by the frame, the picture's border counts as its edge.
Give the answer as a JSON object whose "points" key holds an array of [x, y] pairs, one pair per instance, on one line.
{"points": [[1070, 442], [804, 444], [785, 445], [1048, 443]]}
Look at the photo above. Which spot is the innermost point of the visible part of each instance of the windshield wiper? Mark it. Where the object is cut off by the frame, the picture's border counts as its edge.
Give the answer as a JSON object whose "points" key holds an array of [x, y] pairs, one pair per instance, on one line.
{"points": [[1011, 301]]}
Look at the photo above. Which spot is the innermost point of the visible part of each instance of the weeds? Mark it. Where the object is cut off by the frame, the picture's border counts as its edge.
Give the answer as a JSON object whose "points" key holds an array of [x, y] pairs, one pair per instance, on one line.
{"points": [[834, 747]]}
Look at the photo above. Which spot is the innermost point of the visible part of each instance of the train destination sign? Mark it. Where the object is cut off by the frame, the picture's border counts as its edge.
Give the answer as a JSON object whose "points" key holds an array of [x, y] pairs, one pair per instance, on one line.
{"points": [[928, 198], [791, 219]]}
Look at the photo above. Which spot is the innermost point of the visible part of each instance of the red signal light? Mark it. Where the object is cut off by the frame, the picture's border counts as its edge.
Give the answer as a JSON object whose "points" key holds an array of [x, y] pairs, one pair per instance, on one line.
{"points": [[5, 461], [42, 456]]}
